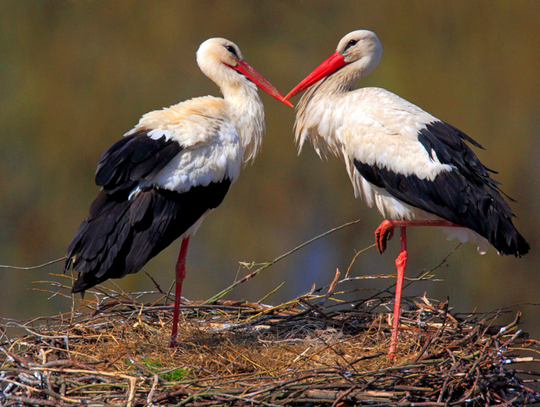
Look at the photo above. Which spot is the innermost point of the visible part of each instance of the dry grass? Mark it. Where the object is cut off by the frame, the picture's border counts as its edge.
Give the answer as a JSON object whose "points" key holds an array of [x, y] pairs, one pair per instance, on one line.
{"points": [[112, 350], [319, 349]]}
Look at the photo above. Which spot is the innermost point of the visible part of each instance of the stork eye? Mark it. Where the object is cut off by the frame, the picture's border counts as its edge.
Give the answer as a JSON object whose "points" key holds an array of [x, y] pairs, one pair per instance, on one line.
{"points": [[350, 44], [231, 49]]}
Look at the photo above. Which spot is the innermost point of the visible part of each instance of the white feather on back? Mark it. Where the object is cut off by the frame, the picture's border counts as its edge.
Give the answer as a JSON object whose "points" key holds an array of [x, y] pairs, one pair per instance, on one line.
{"points": [[376, 127], [211, 147]]}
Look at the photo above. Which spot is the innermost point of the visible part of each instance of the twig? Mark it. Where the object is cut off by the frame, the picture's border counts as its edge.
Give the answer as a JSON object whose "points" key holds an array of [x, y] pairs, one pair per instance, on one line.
{"points": [[154, 281], [152, 390], [131, 391], [266, 265], [33, 267], [235, 352]]}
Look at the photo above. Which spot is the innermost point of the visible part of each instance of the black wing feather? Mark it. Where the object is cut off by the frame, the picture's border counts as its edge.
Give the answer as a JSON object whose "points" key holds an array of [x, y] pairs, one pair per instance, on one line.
{"points": [[134, 158], [466, 195], [126, 227], [120, 237]]}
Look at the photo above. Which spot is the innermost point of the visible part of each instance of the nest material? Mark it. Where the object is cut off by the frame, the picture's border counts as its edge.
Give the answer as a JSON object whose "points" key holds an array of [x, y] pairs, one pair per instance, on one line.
{"points": [[315, 350]]}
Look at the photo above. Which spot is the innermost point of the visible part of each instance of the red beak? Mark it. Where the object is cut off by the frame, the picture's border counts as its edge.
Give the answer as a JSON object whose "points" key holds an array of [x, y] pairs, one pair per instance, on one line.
{"points": [[246, 69], [330, 65]]}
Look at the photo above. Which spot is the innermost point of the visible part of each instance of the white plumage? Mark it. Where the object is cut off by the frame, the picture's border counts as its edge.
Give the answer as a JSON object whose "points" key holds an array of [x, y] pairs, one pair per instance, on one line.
{"points": [[211, 141], [170, 171], [384, 132], [416, 169]]}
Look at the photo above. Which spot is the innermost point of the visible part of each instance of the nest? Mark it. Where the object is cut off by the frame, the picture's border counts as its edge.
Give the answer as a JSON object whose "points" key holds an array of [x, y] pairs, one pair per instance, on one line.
{"points": [[314, 350], [321, 348]]}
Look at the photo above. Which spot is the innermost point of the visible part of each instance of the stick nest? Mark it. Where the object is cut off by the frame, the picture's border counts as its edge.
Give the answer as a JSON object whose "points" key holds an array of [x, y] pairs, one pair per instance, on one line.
{"points": [[112, 349]]}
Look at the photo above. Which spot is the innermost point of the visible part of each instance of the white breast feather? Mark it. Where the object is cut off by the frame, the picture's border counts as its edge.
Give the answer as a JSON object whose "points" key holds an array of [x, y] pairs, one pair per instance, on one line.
{"points": [[211, 144], [377, 127]]}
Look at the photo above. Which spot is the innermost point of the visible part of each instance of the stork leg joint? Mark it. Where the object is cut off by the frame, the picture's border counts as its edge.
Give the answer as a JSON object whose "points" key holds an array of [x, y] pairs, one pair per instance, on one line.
{"points": [[383, 234]]}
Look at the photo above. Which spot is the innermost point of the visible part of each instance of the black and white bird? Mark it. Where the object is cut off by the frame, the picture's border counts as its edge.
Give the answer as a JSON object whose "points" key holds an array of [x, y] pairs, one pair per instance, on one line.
{"points": [[416, 169], [163, 178]]}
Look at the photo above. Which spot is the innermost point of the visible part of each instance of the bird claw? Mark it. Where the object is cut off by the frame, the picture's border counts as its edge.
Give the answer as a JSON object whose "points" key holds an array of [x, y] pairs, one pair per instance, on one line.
{"points": [[384, 232]]}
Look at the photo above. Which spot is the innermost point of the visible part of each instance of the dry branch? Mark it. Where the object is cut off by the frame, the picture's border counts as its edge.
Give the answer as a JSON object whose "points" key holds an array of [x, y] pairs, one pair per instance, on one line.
{"points": [[318, 349], [114, 352]]}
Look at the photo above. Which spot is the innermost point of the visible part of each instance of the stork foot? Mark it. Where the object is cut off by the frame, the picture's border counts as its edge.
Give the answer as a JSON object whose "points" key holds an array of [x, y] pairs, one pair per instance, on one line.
{"points": [[383, 234]]}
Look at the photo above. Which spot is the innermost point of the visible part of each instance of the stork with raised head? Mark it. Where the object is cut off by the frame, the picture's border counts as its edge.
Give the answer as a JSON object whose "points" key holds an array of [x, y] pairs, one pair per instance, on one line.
{"points": [[169, 172], [416, 169]]}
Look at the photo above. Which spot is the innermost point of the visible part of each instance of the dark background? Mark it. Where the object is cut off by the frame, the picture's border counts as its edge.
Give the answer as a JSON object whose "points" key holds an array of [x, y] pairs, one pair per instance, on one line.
{"points": [[75, 76]]}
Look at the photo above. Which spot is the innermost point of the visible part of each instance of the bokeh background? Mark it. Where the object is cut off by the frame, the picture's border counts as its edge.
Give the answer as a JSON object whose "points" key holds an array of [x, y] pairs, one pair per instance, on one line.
{"points": [[75, 76]]}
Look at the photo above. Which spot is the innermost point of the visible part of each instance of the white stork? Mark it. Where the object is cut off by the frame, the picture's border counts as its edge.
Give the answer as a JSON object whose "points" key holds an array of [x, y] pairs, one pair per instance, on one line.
{"points": [[169, 172], [416, 169]]}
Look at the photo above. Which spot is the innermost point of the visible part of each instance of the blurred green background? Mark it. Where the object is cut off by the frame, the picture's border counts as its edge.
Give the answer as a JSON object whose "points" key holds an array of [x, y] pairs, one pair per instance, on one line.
{"points": [[75, 76]]}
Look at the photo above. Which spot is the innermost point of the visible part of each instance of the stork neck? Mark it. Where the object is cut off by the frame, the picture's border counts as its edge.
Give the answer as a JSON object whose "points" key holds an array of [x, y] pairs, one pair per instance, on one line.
{"points": [[247, 113], [326, 96], [342, 81]]}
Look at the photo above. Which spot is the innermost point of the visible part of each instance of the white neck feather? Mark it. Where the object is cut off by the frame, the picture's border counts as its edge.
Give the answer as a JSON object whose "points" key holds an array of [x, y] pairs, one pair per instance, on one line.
{"points": [[316, 111], [247, 113]]}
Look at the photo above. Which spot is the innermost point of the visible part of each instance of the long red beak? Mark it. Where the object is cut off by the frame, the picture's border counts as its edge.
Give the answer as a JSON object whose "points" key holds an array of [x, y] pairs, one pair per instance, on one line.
{"points": [[246, 69], [330, 65]]}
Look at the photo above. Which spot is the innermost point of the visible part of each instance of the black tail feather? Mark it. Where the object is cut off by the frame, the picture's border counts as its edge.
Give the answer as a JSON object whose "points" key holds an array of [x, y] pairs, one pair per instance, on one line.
{"points": [[121, 235]]}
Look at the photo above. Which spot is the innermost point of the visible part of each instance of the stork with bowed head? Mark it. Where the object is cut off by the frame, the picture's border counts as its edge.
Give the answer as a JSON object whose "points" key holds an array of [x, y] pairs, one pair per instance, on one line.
{"points": [[169, 172], [416, 169]]}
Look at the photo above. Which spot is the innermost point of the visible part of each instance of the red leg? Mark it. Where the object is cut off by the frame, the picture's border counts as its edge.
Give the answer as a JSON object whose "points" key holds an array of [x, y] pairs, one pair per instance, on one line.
{"points": [[180, 275], [401, 264], [384, 233]]}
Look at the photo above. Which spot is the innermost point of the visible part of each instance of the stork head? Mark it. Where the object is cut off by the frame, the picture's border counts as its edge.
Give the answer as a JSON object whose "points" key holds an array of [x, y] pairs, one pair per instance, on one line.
{"points": [[360, 50], [222, 61]]}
